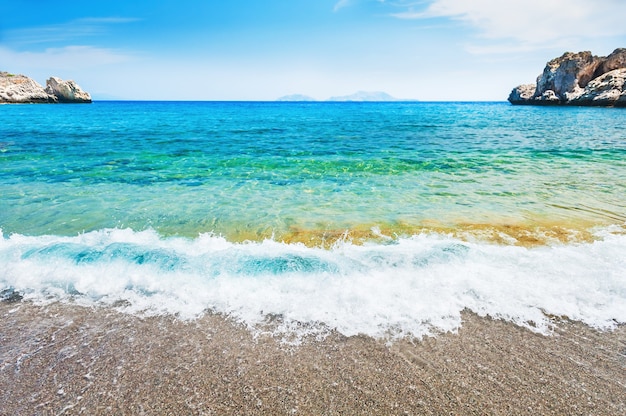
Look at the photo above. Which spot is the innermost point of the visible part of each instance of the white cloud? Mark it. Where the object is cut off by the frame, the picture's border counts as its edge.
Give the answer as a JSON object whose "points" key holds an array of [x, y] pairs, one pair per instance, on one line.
{"points": [[63, 32], [533, 22], [69, 57]]}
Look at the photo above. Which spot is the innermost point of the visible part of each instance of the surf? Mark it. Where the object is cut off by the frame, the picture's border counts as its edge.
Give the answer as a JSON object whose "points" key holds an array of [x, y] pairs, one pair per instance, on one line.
{"points": [[410, 286]]}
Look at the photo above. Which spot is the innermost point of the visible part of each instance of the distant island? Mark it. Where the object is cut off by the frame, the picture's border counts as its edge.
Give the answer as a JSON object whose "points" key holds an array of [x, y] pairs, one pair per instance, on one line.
{"points": [[367, 96], [360, 96], [296, 97], [578, 79], [20, 89]]}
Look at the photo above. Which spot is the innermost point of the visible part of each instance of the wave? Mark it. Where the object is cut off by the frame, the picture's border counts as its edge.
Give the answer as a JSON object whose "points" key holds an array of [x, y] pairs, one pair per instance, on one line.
{"points": [[411, 286]]}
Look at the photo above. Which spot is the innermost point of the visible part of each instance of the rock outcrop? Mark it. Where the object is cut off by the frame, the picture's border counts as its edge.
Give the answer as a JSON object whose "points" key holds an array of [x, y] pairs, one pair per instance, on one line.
{"points": [[578, 79], [66, 91], [22, 89]]}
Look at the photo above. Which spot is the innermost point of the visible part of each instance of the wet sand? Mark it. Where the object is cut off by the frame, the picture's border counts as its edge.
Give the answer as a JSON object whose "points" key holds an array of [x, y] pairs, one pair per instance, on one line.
{"points": [[524, 234], [62, 359]]}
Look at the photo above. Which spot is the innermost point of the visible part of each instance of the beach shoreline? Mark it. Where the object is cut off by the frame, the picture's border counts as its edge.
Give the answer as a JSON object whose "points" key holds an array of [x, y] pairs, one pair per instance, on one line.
{"points": [[68, 359]]}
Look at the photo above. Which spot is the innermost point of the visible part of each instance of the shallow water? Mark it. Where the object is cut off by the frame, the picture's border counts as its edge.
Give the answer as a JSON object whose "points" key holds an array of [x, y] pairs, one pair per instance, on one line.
{"points": [[371, 218]]}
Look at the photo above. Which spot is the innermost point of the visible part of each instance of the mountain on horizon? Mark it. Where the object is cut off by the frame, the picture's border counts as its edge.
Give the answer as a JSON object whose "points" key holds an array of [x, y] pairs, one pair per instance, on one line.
{"points": [[364, 96], [359, 96], [296, 97], [368, 96]]}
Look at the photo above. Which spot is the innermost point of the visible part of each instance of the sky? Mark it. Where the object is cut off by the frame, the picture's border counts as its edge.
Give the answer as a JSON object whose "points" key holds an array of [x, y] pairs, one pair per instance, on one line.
{"points": [[431, 50]]}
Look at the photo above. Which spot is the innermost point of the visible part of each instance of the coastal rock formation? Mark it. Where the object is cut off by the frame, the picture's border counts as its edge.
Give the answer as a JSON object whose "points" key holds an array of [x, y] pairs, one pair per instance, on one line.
{"points": [[578, 79], [66, 91], [522, 93], [22, 89], [607, 90]]}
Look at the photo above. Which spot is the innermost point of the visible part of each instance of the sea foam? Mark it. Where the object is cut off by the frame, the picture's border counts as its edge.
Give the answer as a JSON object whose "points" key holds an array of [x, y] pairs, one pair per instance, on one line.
{"points": [[404, 287]]}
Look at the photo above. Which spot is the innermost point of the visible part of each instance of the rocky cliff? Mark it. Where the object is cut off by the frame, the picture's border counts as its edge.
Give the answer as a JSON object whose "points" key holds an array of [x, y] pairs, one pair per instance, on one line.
{"points": [[578, 79], [22, 89]]}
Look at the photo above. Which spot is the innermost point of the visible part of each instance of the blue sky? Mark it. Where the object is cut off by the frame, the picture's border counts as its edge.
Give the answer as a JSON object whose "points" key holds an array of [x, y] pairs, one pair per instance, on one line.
{"points": [[261, 50]]}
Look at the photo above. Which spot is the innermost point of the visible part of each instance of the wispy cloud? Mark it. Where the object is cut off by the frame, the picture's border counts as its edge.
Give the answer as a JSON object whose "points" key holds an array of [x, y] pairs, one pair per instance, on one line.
{"points": [[78, 29], [69, 57], [529, 22]]}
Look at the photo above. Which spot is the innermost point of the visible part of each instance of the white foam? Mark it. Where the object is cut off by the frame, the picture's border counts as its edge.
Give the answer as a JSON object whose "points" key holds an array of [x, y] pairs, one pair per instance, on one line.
{"points": [[415, 286]]}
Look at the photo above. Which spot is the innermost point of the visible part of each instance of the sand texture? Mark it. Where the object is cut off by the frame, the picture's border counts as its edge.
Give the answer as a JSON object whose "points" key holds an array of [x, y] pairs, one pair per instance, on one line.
{"points": [[61, 359]]}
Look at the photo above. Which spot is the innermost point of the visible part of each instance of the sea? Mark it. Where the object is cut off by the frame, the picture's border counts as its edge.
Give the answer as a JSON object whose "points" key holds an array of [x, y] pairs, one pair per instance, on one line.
{"points": [[298, 219]]}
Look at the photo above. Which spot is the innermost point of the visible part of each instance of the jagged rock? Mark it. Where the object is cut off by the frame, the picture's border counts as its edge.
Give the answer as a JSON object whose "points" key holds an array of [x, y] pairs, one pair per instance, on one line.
{"points": [[567, 74], [66, 91], [577, 79], [607, 90], [522, 94], [615, 60], [22, 89], [549, 97]]}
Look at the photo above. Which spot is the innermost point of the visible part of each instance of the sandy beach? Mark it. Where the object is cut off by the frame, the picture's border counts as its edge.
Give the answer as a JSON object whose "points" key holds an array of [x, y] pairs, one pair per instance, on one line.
{"points": [[63, 359]]}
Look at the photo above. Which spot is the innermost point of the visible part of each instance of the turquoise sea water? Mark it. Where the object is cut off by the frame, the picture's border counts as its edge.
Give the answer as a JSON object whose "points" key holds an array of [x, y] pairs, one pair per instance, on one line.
{"points": [[354, 216]]}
